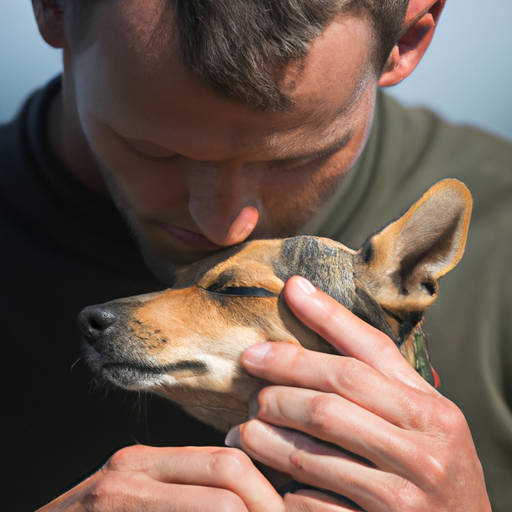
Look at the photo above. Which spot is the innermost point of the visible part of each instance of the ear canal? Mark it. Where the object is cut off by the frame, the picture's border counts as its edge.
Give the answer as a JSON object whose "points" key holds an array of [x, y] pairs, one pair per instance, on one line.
{"points": [[406, 258]]}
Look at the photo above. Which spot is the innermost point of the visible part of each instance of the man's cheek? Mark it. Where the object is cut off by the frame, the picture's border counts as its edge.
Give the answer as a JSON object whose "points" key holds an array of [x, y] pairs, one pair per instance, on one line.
{"points": [[148, 187]]}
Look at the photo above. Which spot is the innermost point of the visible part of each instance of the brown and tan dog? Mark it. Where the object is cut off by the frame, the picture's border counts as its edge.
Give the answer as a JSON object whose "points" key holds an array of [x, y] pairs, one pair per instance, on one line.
{"points": [[185, 343]]}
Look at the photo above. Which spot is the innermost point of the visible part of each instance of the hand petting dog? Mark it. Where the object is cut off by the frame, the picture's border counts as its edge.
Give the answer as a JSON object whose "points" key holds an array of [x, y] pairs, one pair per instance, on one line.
{"points": [[366, 427]]}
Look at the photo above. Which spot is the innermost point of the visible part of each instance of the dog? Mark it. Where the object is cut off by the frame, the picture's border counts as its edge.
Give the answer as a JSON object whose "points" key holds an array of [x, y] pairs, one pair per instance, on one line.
{"points": [[185, 343]]}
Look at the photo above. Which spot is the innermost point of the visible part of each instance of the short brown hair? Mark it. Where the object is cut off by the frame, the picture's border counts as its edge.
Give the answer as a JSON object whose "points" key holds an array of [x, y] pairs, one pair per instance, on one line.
{"points": [[236, 45]]}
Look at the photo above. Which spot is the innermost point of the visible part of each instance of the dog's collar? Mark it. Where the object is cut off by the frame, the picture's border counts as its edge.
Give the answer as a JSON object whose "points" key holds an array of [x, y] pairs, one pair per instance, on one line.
{"points": [[422, 362]]}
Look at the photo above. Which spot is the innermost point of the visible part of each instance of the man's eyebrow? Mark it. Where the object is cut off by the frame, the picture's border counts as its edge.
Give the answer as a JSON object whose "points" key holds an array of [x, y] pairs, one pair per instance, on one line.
{"points": [[327, 151]]}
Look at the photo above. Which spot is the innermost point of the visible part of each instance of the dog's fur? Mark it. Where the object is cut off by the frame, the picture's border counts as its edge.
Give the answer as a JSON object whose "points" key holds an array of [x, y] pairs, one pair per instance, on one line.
{"points": [[185, 343]]}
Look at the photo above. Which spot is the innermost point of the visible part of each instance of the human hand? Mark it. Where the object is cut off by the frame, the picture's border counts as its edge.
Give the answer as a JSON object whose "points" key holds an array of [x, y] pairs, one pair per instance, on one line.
{"points": [[173, 479], [366, 427]]}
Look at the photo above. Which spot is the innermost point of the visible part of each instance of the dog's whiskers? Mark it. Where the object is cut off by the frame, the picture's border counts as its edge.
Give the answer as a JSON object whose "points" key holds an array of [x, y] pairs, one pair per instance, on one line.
{"points": [[74, 364]]}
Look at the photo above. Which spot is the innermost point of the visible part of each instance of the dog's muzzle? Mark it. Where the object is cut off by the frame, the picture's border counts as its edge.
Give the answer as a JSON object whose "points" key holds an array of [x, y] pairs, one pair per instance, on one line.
{"points": [[105, 322], [96, 322]]}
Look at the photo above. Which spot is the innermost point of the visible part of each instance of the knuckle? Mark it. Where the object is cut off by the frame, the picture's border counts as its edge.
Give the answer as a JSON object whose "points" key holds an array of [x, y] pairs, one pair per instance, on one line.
{"points": [[435, 472], [299, 463], [440, 415], [229, 462], [441, 460], [324, 412], [420, 411], [411, 501], [299, 356], [346, 375], [127, 459], [450, 418], [383, 342], [406, 497], [106, 494], [297, 360], [231, 502]]}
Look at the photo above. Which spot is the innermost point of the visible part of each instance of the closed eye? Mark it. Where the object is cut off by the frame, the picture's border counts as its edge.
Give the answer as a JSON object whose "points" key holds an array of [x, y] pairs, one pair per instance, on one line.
{"points": [[241, 291]]}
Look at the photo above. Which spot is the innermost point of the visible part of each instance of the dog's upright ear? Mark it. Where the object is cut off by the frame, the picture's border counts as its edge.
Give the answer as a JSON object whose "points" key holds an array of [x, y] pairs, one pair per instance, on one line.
{"points": [[401, 263]]}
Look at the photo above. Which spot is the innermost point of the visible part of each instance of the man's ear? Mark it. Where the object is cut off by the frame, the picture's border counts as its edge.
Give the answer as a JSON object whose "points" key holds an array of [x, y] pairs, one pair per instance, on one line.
{"points": [[419, 27], [50, 20]]}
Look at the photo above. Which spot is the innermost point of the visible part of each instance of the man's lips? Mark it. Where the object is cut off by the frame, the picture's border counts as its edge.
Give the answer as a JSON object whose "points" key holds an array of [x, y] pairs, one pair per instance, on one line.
{"points": [[190, 238]]}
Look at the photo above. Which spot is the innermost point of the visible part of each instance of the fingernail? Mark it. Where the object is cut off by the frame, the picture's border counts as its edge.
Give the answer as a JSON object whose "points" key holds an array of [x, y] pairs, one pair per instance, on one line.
{"points": [[233, 438], [254, 406], [306, 286], [256, 353]]}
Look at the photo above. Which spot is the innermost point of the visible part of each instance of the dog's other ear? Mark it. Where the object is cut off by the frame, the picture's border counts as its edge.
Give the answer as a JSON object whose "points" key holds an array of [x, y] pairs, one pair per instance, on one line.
{"points": [[402, 263]]}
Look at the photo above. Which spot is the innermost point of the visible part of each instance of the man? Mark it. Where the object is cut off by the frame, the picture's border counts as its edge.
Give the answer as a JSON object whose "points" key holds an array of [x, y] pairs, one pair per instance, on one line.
{"points": [[209, 124]]}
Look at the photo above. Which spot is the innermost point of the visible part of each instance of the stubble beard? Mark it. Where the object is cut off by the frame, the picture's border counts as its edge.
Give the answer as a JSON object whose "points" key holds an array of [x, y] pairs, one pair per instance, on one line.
{"points": [[163, 268]]}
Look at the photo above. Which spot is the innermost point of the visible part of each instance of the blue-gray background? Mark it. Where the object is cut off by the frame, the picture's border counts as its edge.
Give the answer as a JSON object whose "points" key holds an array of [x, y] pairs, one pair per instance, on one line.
{"points": [[466, 74]]}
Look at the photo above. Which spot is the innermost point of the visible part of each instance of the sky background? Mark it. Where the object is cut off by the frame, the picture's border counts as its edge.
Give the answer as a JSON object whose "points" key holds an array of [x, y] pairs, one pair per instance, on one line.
{"points": [[466, 75]]}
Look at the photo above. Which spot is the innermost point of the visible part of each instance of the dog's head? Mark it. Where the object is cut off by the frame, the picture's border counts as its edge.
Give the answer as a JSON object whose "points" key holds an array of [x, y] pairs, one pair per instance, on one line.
{"points": [[185, 343]]}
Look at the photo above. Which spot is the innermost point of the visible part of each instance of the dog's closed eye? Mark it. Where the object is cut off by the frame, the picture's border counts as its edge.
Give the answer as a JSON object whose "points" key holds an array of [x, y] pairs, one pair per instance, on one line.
{"points": [[241, 291]]}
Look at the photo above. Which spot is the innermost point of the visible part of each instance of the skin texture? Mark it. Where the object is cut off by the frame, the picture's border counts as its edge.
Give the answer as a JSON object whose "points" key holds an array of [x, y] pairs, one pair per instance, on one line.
{"points": [[193, 172]]}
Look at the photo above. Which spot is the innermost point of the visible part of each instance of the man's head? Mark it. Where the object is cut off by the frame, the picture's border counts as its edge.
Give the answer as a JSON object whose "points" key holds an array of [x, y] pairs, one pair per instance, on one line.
{"points": [[238, 46], [215, 121]]}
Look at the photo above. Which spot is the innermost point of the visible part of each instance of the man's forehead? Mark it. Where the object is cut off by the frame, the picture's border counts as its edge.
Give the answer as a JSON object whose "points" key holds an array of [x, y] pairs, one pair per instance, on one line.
{"points": [[146, 73], [146, 31]]}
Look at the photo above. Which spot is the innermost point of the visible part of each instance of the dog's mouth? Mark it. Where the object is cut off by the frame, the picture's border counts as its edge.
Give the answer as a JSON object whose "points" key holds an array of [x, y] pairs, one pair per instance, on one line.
{"points": [[137, 376]]}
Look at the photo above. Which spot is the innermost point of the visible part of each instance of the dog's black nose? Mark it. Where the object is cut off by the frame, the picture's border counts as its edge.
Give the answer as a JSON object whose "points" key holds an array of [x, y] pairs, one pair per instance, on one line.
{"points": [[94, 321]]}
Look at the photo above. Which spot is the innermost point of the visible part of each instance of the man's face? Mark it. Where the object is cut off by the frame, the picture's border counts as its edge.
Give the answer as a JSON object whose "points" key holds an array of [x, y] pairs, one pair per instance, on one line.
{"points": [[194, 172]]}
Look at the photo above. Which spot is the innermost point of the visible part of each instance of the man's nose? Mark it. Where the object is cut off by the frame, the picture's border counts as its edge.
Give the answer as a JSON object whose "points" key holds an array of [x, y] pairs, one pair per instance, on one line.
{"points": [[224, 203]]}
